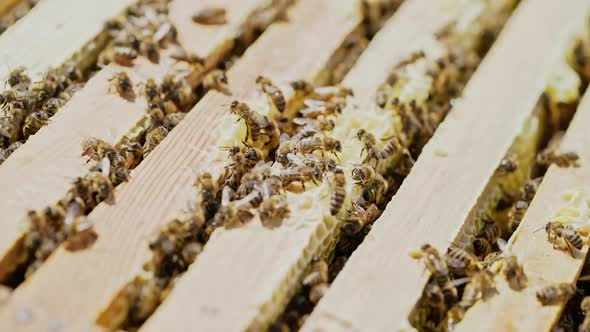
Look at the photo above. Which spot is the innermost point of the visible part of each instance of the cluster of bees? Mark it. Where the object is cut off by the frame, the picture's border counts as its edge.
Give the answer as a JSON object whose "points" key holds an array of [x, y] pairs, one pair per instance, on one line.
{"points": [[27, 106], [486, 247], [16, 13]]}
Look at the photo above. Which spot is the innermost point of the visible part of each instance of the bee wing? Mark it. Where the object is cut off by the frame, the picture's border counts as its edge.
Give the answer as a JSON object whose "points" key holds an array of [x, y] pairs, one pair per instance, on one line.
{"points": [[300, 121], [295, 160], [460, 281], [568, 231], [284, 138], [455, 263], [105, 166]]}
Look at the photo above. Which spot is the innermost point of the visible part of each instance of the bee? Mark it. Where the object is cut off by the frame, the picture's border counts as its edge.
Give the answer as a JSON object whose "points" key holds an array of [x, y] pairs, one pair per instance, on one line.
{"points": [[216, 79], [585, 308], [5, 153], [507, 166], [255, 123], [96, 149], [359, 217], [461, 262], [274, 210], [18, 77], [339, 191], [210, 16], [119, 176], [273, 92], [481, 247], [432, 260], [99, 188], [234, 213], [151, 90], [34, 122], [132, 152], [556, 293], [153, 138], [149, 49], [123, 85], [316, 108], [530, 189], [322, 143], [318, 273], [373, 191], [169, 83], [207, 190], [121, 55], [488, 230], [516, 214], [52, 105], [565, 159], [370, 146], [482, 283], [302, 86], [514, 273], [383, 95], [82, 237], [317, 292], [182, 95], [571, 237], [393, 145], [172, 120]]}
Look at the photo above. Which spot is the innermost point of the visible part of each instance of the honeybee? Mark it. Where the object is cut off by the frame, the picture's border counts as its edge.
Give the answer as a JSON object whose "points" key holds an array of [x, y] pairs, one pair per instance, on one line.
{"points": [[216, 80], [322, 143], [153, 138], [556, 293], [302, 87], [132, 152], [83, 235], [172, 120], [180, 54], [123, 85], [432, 260], [571, 237], [169, 83], [119, 176], [96, 149], [565, 159], [370, 146], [461, 262], [275, 95], [52, 105], [393, 145], [482, 283], [18, 77], [256, 124], [5, 153], [339, 191], [151, 90], [516, 214], [530, 189], [274, 210], [34, 122], [210, 16], [149, 49], [383, 95], [99, 188], [207, 190], [318, 108], [318, 273], [585, 307], [373, 191], [234, 213], [508, 165], [121, 55], [514, 273], [481, 247], [317, 292], [359, 217], [183, 95]]}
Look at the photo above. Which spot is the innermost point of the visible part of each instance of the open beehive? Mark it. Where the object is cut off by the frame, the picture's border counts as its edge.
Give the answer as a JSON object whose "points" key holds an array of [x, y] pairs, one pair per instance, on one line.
{"points": [[282, 165]]}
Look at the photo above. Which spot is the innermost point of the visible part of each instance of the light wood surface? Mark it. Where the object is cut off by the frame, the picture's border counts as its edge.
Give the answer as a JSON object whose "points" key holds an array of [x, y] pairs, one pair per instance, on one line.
{"points": [[53, 32], [521, 311], [380, 283], [39, 173], [161, 185], [243, 278]]}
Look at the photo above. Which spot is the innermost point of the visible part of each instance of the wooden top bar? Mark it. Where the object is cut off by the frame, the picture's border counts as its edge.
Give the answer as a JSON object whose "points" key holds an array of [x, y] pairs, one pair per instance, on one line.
{"points": [[543, 265], [380, 284]]}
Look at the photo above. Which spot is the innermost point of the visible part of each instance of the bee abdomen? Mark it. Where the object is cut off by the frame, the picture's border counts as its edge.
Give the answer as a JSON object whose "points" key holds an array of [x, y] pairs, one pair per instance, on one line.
{"points": [[337, 200]]}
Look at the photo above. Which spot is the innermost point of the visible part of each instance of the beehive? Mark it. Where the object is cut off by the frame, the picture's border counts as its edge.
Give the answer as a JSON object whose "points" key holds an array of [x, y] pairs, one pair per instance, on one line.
{"points": [[280, 165]]}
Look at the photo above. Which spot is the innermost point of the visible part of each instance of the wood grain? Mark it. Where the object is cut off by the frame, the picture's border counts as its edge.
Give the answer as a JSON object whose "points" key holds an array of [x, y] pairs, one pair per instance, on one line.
{"points": [[39, 173], [380, 283], [521, 311], [243, 277], [53, 32], [160, 186]]}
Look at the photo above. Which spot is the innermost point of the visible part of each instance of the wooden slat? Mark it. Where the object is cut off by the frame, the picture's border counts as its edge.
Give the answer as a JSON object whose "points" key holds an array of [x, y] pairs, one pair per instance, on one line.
{"points": [[242, 276], [39, 173], [521, 311], [53, 32], [161, 185], [380, 284]]}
